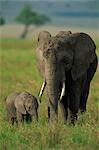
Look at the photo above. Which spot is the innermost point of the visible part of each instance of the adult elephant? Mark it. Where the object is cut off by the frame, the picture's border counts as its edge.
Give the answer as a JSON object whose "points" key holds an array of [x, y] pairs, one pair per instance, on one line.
{"points": [[70, 63]]}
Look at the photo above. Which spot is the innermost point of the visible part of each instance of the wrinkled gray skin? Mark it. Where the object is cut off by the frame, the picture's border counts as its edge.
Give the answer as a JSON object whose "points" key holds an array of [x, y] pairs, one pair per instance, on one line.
{"points": [[21, 106], [62, 34], [70, 59]]}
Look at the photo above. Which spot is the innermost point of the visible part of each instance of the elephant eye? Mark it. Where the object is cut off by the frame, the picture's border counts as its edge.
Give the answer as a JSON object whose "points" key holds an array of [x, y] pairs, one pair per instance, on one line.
{"points": [[29, 107]]}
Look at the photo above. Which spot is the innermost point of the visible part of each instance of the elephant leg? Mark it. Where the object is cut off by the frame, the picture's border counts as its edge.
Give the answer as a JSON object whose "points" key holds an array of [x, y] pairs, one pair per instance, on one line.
{"points": [[74, 99], [64, 108], [28, 118], [10, 117], [52, 111], [19, 117], [84, 97], [16, 120], [48, 113], [73, 108], [90, 73], [12, 120], [35, 116]]}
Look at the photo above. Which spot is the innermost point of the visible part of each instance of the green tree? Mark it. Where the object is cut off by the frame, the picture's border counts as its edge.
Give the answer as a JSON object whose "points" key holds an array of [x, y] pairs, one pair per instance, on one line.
{"points": [[2, 21], [29, 17]]}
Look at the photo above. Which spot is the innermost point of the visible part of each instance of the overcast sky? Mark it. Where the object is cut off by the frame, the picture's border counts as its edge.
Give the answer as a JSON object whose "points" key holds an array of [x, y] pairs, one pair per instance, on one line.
{"points": [[61, 12], [52, 0]]}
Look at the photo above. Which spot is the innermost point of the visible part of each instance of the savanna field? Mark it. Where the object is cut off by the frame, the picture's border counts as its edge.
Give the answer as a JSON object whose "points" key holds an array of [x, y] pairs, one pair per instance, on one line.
{"points": [[18, 72]]}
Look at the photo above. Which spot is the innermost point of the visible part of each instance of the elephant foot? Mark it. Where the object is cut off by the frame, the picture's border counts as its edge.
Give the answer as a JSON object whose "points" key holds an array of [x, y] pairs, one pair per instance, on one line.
{"points": [[82, 111], [65, 122], [73, 119], [53, 118], [64, 119]]}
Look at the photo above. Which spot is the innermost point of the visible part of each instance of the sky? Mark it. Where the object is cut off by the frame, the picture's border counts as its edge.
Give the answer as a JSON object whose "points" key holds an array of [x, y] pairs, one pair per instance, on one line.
{"points": [[69, 12], [54, 0]]}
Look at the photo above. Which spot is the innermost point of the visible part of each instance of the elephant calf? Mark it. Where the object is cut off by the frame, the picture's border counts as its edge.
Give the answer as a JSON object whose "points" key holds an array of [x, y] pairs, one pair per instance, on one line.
{"points": [[21, 106]]}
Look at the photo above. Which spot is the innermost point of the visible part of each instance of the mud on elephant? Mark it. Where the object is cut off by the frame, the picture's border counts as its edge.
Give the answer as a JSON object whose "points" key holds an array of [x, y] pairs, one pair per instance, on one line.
{"points": [[70, 63]]}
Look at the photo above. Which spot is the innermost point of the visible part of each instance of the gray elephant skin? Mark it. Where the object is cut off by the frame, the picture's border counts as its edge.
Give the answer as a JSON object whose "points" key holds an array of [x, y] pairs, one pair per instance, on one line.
{"points": [[21, 106], [70, 63]]}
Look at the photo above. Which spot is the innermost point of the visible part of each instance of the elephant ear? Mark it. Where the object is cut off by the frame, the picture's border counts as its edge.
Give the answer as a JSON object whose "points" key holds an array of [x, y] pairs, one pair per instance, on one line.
{"points": [[84, 53], [43, 36], [43, 39], [19, 104]]}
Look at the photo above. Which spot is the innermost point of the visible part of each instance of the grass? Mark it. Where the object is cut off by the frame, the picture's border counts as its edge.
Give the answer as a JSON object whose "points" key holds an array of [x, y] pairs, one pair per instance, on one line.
{"points": [[18, 71]]}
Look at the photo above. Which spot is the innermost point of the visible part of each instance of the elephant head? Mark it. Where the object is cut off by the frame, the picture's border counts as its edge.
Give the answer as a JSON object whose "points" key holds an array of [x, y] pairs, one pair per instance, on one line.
{"points": [[62, 53], [25, 103]]}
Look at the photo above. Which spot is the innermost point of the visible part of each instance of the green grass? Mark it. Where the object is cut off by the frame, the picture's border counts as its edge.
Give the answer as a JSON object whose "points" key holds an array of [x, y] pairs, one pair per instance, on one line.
{"points": [[18, 71]]}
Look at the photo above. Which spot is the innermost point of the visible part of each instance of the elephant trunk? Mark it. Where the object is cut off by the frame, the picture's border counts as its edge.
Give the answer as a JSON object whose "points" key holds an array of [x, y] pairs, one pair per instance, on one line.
{"points": [[52, 81]]}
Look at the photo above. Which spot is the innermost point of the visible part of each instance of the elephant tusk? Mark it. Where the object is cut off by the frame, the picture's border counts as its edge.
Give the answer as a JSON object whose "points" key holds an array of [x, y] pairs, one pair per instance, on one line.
{"points": [[42, 90], [63, 91]]}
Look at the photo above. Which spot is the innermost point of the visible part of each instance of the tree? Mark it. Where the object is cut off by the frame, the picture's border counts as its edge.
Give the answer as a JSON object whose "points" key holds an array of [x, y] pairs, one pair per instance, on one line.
{"points": [[29, 17], [2, 21]]}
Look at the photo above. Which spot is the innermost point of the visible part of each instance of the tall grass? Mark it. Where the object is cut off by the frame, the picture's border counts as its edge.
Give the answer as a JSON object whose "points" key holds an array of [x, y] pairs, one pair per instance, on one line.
{"points": [[18, 72]]}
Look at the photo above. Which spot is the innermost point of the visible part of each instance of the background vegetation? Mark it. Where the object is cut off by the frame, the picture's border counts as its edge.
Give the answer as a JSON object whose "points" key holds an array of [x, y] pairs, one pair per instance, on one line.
{"points": [[2, 21], [29, 17], [18, 72]]}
